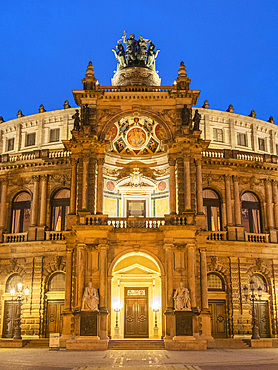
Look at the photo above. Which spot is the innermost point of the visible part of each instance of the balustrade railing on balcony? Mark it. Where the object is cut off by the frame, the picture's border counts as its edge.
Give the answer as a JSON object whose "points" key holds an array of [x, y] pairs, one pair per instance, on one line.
{"points": [[135, 222], [54, 235], [15, 238], [256, 238], [217, 235]]}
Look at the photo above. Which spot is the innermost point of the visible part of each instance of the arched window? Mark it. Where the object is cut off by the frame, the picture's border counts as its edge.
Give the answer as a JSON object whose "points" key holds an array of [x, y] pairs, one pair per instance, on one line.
{"points": [[212, 209], [21, 209], [57, 282], [215, 282], [259, 281], [60, 208], [251, 213], [12, 282]]}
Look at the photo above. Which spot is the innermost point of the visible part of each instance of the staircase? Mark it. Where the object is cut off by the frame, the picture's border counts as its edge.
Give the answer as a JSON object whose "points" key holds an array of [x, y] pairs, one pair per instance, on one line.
{"points": [[38, 343], [231, 343], [134, 344]]}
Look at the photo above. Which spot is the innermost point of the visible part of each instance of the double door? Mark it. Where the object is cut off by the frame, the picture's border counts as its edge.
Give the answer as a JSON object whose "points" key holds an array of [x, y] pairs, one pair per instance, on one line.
{"points": [[136, 313], [262, 318], [218, 318], [54, 320], [10, 315]]}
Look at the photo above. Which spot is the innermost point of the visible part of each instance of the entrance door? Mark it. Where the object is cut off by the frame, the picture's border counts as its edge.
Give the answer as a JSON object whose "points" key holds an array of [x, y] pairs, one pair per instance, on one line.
{"points": [[136, 208], [218, 318], [262, 316], [136, 313], [10, 314], [54, 317]]}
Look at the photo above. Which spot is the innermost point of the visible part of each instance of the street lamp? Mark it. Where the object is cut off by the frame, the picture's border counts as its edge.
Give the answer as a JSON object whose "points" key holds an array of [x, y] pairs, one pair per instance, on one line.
{"points": [[20, 295], [117, 329], [253, 297]]}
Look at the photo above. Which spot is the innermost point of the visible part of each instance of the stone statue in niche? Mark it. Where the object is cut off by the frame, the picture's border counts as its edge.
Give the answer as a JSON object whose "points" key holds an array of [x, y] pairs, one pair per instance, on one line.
{"points": [[182, 299], [90, 298], [76, 123], [186, 115], [196, 120]]}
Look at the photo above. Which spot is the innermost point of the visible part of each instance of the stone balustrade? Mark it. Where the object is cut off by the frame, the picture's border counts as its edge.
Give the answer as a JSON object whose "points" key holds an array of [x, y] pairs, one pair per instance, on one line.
{"points": [[256, 238], [15, 238], [55, 235], [217, 235]]}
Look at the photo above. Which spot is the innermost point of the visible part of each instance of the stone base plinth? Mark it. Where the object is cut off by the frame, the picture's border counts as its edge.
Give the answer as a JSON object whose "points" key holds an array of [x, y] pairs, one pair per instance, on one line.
{"points": [[86, 344], [259, 343], [13, 343], [185, 345]]}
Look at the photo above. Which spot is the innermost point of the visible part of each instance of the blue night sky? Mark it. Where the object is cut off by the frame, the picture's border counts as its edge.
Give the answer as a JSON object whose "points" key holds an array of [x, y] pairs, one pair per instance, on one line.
{"points": [[229, 49]]}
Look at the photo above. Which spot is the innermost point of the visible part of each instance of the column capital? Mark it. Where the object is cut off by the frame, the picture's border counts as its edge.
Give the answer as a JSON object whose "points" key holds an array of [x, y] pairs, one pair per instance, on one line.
{"points": [[198, 161], [44, 177], [81, 246], [236, 178], [85, 157], [36, 178], [172, 159], [100, 158], [168, 246], [202, 249], [190, 246], [4, 181], [73, 161], [103, 246], [228, 177]]}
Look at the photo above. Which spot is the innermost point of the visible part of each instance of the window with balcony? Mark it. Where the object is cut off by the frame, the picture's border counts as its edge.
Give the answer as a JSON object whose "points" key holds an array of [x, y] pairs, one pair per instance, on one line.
{"points": [[21, 210], [241, 139], [60, 208], [251, 213], [212, 209], [10, 144], [218, 135], [54, 135], [30, 139]]}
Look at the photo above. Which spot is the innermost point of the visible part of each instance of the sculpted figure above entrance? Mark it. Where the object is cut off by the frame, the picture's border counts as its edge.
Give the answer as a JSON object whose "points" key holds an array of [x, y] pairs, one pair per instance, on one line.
{"points": [[182, 299], [90, 298]]}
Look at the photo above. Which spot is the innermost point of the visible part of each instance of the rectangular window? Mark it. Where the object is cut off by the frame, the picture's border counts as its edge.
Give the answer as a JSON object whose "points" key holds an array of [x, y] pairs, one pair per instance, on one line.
{"points": [[10, 144], [54, 135], [241, 139], [261, 144], [31, 139], [218, 134]]}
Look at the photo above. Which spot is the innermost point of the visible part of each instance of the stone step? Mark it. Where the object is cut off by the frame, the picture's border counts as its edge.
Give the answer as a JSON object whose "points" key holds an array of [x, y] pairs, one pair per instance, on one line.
{"points": [[38, 343], [232, 343], [134, 344]]}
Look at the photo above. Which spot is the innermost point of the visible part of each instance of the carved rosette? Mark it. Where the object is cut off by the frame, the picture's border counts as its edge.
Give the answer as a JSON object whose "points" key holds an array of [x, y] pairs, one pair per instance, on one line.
{"points": [[136, 76]]}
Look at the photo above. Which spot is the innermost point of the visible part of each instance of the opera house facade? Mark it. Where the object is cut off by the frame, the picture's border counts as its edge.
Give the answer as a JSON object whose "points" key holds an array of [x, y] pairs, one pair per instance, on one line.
{"points": [[137, 215]]}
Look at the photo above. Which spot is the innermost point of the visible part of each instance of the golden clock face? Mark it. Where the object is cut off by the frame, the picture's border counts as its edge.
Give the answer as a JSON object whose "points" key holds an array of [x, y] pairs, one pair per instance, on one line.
{"points": [[136, 135]]}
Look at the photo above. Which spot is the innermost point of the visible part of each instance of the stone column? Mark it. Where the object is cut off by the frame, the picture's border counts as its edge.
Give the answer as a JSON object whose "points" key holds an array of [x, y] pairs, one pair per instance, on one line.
{"points": [[269, 205], [275, 200], [172, 163], [204, 280], [68, 280], [3, 203], [43, 200], [199, 186], [103, 312], [187, 182], [169, 314], [85, 182], [228, 200], [100, 162], [73, 182], [191, 274], [237, 202], [81, 273], [34, 211]]}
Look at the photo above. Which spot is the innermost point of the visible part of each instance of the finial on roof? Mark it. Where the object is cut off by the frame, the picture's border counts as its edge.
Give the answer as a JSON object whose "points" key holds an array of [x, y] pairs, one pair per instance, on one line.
{"points": [[66, 104], [41, 109], [252, 114], [182, 82], [1, 119], [206, 104], [230, 109], [89, 81], [271, 120], [20, 114]]}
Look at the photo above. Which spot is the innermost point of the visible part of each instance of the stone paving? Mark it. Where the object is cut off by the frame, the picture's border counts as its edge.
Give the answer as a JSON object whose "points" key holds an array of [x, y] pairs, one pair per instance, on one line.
{"points": [[218, 359]]}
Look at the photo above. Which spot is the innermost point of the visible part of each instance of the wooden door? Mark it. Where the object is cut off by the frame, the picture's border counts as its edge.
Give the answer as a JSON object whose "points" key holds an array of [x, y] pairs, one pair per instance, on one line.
{"points": [[54, 322], [10, 314], [218, 318], [262, 316], [136, 313]]}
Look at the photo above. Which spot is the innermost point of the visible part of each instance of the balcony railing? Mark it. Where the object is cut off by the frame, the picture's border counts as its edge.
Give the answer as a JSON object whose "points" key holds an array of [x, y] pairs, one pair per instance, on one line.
{"points": [[256, 238], [135, 222], [16, 238], [55, 235], [218, 235]]}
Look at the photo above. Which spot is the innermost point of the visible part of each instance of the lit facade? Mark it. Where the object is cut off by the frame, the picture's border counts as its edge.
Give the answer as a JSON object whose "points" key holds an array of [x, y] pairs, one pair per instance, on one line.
{"points": [[135, 196]]}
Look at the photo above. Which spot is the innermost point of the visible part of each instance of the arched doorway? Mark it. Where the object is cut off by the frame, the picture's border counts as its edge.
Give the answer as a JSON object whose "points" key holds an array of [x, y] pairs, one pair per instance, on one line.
{"points": [[136, 297], [55, 297]]}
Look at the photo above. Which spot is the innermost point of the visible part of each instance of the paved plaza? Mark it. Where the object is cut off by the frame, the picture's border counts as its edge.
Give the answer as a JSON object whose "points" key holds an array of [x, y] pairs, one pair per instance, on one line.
{"points": [[230, 359]]}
